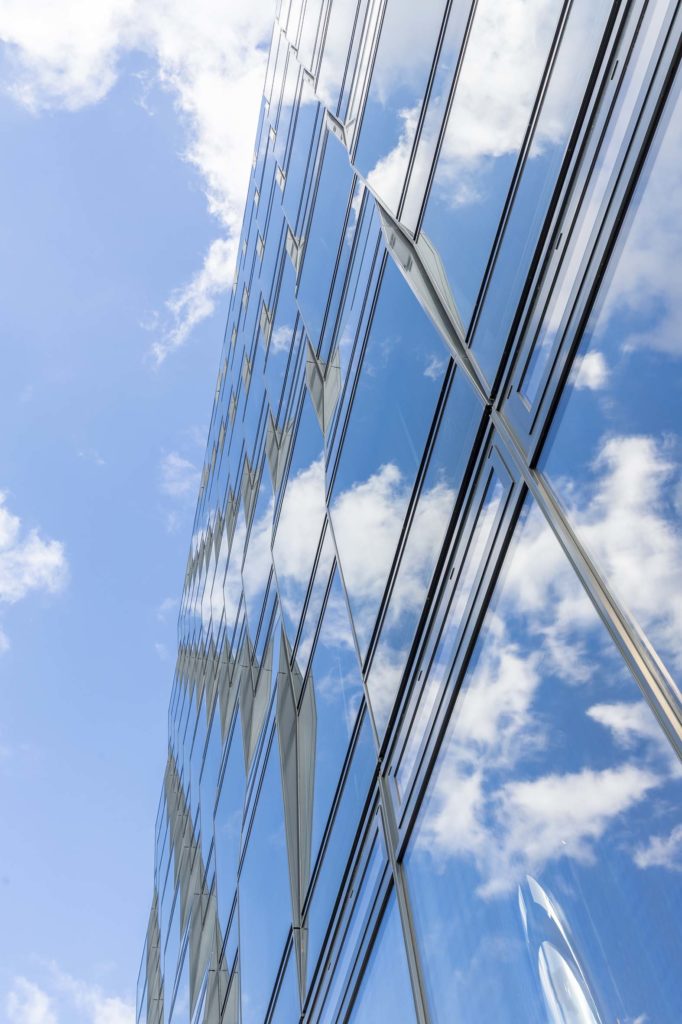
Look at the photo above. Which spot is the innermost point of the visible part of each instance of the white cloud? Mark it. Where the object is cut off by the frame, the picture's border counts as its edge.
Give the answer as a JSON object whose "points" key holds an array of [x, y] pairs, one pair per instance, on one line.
{"points": [[179, 477], [209, 55], [91, 1001], [26, 1003], [590, 371], [281, 339], [27, 563], [168, 605], [662, 852]]}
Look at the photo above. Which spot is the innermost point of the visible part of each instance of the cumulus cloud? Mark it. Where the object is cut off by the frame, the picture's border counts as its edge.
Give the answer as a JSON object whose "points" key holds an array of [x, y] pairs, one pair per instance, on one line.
{"points": [[662, 852], [28, 562], [95, 1005], [179, 478], [212, 59], [26, 1003]]}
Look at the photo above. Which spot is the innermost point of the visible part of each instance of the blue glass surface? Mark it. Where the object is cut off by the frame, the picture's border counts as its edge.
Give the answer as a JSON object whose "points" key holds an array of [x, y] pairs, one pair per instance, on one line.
{"points": [[542, 867], [614, 456], [435, 506], [498, 82], [385, 992], [264, 897], [228, 827], [400, 379]]}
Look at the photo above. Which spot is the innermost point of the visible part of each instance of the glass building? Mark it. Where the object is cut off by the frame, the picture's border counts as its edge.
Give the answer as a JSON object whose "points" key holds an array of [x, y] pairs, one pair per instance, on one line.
{"points": [[425, 726]]}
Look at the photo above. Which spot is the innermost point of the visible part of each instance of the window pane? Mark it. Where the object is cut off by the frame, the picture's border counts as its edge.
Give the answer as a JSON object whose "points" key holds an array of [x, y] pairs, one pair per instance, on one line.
{"points": [[264, 897], [336, 682], [544, 866], [385, 992], [434, 510], [501, 72], [552, 131], [228, 826], [288, 1007], [614, 456], [400, 381]]}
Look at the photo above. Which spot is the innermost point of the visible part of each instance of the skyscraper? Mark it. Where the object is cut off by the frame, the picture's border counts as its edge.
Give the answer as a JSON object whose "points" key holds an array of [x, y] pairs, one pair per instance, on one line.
{"points": [[424, 731]]}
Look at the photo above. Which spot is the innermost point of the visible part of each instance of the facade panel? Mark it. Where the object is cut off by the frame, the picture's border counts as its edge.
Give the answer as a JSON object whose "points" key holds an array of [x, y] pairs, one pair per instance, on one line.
{"points": [[425, 724]]}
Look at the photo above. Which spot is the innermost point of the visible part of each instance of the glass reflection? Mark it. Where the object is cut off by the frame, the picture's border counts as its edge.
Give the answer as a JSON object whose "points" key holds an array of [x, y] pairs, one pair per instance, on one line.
{"points": [[324, 236], [434, 510], [340, 840], [385, 992], [552, 131], [264, 897], [288, 1006], [614, 456], [498, 82], [543, 866], [400, 380], [228, 827], [301, 518], [337, 686]]}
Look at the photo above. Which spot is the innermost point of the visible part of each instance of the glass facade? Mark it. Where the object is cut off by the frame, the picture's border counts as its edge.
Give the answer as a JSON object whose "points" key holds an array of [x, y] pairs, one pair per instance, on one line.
{"points": [[425, 726]]}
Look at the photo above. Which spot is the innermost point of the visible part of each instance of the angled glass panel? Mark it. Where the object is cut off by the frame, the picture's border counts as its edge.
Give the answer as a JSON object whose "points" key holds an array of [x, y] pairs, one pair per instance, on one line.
{"points": [[288, 1006], [324, 236], [440, 489], [279, 345], [614, 456], [209, 781], [339, 844], [228, 827], [180, 1012], [543, 870], [258, 560], [570, 73], [337, 686], [313, 609], [339, 31], [264, 897], [399, 383], [385, 991], [499, 79], [397, 91], [303, 151], [301, 518]]}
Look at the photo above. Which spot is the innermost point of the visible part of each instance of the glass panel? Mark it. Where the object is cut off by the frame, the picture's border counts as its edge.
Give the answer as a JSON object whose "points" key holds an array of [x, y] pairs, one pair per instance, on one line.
{"points": [[543, 868], [385, 992], [301, 518], [288, 1007], [409, 34], [572, 67], [314, 605], [209, 782], [337, 685], [615, 452], [337, 850], [596, 196], [400, 379], [228, 826], [180, 1012], [366, 883], [505, 56], [303, 151], [258, 561], [335, 54], [436, 504], [264, 897], [324, 236], [281, 337]]}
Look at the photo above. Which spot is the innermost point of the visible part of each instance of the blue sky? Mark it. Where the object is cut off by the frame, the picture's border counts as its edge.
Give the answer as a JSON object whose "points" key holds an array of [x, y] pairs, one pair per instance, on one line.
{"points": [[122, 181]]}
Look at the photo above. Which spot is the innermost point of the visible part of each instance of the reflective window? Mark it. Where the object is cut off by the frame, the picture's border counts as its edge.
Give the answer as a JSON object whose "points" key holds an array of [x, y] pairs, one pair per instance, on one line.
{"points": [[552, 131], [302, 151], [264, 897], [323, 237], [409, 33], [258, 562], [288, 1006], [451, 453], [181, 1007], [543, 869], [340, 25], [500, 75], [209, 782], [400, 379], [228, 827], [338, 847], [614, 456], [301, 518], [385, 991], [337, 686]]}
